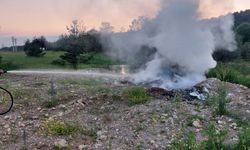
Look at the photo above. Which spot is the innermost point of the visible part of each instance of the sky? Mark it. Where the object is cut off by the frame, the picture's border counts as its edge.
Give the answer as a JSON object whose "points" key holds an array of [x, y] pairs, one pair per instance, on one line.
{"points": [[28, 18]]}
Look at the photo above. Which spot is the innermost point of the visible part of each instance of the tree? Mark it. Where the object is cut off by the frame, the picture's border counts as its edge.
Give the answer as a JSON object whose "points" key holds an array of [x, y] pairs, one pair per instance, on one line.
{"points": [[137, 24], [106, 27], [243, 30], [75, 44], [245, 51], [36, 48]]}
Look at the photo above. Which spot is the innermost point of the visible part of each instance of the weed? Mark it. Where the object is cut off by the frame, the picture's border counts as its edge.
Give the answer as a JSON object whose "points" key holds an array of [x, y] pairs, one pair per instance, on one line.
{"points": [[137, 95], [188, 142], [244, 140], [177, 101], [56, 127], [215, 138], [219, 101]]}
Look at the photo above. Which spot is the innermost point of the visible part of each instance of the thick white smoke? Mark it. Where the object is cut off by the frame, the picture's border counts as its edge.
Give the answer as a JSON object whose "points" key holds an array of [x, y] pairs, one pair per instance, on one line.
{"points": [[183, 42]]}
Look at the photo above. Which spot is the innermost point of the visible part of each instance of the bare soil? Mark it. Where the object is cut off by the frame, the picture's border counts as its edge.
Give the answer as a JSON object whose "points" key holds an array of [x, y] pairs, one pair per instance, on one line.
{"points": [[98, 105]]}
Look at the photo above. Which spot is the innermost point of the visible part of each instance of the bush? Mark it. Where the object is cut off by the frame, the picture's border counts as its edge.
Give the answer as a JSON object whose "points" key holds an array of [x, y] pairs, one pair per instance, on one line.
{"points": [[36, 48], [137, 95]]}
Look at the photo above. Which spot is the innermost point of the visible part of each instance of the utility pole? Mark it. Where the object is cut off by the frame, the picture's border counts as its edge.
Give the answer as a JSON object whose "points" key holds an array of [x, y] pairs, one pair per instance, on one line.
{"points": [[14, 43]]}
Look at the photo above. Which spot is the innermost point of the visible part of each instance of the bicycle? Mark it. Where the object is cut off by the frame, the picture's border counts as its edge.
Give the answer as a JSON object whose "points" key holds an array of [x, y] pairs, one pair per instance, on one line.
{"points": [[6, 101]]}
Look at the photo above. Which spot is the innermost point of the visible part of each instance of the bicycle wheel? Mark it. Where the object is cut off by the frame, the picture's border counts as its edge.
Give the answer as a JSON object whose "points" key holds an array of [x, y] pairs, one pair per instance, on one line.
{"points": [[6, 101]]}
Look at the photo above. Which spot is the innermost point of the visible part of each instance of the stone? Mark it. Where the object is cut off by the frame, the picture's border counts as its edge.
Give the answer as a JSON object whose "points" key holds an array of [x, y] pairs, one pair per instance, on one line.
{"points": [[6, 126], [7, 117], [197, 124], [221, 122], [61, 143], [81, 147]]}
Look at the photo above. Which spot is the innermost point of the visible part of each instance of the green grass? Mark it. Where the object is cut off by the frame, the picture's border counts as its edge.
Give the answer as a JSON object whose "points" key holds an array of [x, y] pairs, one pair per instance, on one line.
{"points": [[137, 95], [215, 140], [235, 72], [19, 60]]}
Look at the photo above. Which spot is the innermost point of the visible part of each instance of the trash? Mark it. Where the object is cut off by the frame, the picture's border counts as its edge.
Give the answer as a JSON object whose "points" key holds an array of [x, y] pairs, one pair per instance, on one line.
{"points": [[198, 95]]}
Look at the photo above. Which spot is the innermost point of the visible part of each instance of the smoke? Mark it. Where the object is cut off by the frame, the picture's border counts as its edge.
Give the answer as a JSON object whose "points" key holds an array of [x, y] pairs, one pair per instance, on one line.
{"points": [[175, 47]]}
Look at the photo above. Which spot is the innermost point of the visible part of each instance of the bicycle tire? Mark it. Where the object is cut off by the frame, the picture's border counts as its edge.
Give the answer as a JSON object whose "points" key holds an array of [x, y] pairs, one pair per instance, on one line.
{"points": [[11, 104]]}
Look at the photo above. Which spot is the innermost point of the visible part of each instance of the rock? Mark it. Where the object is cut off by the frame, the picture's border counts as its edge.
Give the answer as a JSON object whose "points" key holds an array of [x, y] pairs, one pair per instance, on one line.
{"points": [[61, 143], [152, 142], [60, 114], [81, 147], [7, 117], [248, 97], [234, 126], [197, 124], [9, 131], [101, 135], [35, 117], [6, 126], [221, 122]]}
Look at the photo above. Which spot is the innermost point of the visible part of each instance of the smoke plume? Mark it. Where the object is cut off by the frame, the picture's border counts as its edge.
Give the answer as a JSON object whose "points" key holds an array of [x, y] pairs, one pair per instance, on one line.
{"points": [[174, 48]]}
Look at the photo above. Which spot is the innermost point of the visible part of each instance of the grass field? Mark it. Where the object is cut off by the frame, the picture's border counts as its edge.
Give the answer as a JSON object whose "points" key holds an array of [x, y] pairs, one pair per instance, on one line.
{"points": [[19, 60]]}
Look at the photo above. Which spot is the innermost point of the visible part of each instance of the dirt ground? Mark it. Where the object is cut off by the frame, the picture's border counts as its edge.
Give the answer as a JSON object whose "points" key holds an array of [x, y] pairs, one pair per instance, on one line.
{"points": [[107, 120]]}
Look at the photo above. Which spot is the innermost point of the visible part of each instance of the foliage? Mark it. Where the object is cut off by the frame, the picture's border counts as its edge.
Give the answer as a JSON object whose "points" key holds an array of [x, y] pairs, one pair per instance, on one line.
{"points": [[224, 55], [77, 43], [56, 127], [215, 138], [244, 140], [219, 101], [244, 31], [36, 48], [188, 142], [137, 95], [229, 74], [241, 17], [245, 50]]}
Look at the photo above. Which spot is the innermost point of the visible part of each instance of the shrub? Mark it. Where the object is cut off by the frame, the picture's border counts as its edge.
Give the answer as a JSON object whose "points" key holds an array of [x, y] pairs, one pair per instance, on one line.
{"points": [[137, 95]]}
